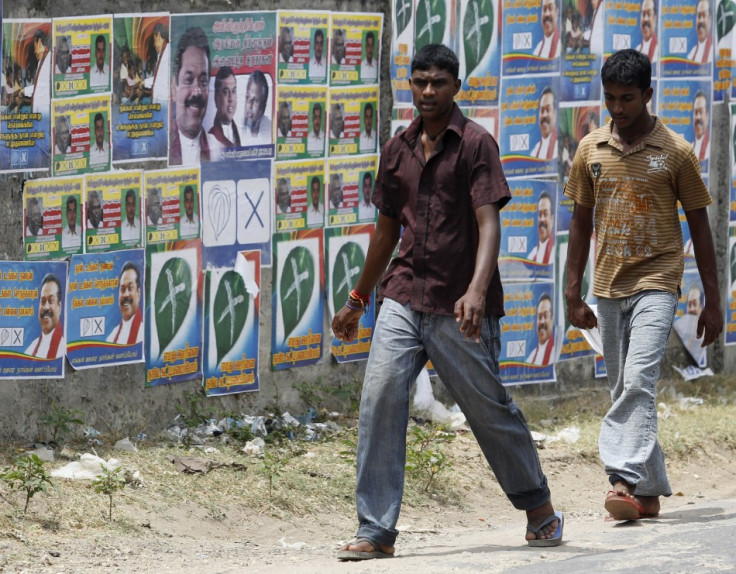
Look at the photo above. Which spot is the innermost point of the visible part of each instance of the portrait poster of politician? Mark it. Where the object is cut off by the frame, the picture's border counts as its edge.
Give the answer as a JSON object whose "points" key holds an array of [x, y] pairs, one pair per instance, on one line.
{"points": [[32, 335], [532, 39], [231, 326], [353, 121], [112, 208], [105, 309], [355, 53], [350, 183], [172, 205], [81, 135], [299, 194], [686, 46], [303, 44], [301, 122]]}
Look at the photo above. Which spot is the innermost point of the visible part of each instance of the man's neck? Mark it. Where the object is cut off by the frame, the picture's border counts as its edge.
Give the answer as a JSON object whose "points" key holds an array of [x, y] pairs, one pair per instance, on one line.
{"points": [[190, 138], [131, 222], [643, 124], [72, 230]]}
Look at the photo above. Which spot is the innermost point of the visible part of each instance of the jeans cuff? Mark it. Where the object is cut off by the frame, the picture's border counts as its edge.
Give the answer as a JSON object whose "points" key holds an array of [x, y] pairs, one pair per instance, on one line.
{"points": [[377, 535]]}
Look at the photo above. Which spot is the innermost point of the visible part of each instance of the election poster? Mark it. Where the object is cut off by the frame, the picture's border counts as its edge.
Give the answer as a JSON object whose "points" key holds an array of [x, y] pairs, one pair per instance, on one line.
{"points": [[478, 48], [685, 107], [486, 117], [25, 97], [351, 181], [356, 48], [688, 249], [583, 24], [105, 309], [232, 308], [81, 128], [401, 118], [299, 195], [302, 122], [433, 21], [298, 299], [532, 43], [529, 334], [402, 50], [302, 47], [528, 231], [572, 341], [575, 121], [689, 307], [529, 126], [223, 90], [141, 80], [172, 204], [345, 251], [238, 210], [112, 210], [173, 337], [353, 121], [686, 47], [53, 218], [730, 323], [32, 334], [82, 55], [723, 23]]}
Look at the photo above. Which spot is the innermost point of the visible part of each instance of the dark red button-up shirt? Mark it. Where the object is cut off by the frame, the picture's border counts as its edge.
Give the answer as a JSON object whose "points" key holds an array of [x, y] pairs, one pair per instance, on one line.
{"points": [[435, 201]]}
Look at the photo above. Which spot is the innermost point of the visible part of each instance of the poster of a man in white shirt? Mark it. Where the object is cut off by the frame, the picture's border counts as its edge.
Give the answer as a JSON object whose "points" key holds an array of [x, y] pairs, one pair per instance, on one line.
{"points": [[549, 46], [317, 67], [546, 147], [130, 226], [368, 135], [50, 344], [316, 137], [366, 211], [544, 251], [702, 52], [369, 64], [701, 126], [315, 211], [189, 225], [129, 330], [99, 149], [99, 74], [544, 353], [71, 236]]}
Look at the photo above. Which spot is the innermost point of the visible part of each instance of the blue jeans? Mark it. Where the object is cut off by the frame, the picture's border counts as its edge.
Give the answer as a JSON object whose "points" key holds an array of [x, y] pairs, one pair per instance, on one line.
{"points": [[634, 332], [402, 342]]}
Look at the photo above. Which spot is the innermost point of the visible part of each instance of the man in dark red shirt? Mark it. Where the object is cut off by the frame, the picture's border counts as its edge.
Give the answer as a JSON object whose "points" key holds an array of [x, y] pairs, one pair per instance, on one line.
{"points": [[441, 180]]}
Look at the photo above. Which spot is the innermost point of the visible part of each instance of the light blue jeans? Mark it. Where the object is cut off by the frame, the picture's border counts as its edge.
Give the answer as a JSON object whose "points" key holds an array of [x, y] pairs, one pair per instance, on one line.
{"points": [[634, 332], [402, 342]]}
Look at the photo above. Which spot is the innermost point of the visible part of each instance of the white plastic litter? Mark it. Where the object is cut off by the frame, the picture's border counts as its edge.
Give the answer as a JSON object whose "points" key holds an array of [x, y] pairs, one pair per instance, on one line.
{"points": [[692, 372], [292, 545], [255, 446], [568, 435], [425, 403], [43, 452], [87, 468], [593, 336], [124, 444]]}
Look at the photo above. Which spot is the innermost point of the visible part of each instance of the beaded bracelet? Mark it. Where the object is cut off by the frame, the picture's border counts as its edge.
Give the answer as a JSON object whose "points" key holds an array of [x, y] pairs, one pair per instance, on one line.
{"points": [[353, 307], [364, 298]]}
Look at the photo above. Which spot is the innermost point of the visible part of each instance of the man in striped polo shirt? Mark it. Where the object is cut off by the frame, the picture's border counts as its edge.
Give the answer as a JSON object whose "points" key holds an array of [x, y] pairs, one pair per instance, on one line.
{"points": [[631, 173]]}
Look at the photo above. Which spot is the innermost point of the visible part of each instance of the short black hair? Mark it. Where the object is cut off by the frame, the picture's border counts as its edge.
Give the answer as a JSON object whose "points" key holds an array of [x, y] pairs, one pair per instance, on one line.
{"points": [[546, 195], [372, 36], [628, 68], [189, 189], [51, 278], [223, 73], [129, 193], [546, 297], [367, 175], [437, 55], [319, 33], [192, 37], [71, 199], [315, 179], [99, 116], [134, 267], [100, 38], [548, 90], [161, 31]]}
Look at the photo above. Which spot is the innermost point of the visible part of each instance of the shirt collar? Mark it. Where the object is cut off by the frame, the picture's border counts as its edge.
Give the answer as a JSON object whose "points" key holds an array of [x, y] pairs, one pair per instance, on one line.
{"points": [[457, 123], [657, 137]]}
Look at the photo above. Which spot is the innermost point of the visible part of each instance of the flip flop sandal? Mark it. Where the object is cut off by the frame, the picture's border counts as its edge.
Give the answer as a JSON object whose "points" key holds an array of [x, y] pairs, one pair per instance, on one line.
{"points": [[623, 506], [357, 555], [556, 539]]}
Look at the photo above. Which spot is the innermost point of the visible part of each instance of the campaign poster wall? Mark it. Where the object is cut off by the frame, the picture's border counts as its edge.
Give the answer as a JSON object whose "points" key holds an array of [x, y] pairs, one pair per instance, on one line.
{"points": [[583, 29], [532, 43], [25, 116], [689, 307], [32, 335], [529, 126], [530, 337], [172, 205], [353, 121], [402, 50], [81, 128], [82, 55], [242, 50], [299, 194], [297, 318], [349, 181], [723, 28], [433, 21], [486, 117], [232, 309], [105, 309], [730, 323], [528, 231], [174, 289], [356, 48], [685, 106], [345, 251], [302, 122], [238, 210], [478, 48], [574, 122], [303, 47], [110, 201], [53, 218], [686, 41], [141, 81]]}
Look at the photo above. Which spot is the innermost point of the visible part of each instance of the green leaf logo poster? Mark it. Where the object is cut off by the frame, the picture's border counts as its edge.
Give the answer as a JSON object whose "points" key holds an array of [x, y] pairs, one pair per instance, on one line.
{"points": [[298, 299]]}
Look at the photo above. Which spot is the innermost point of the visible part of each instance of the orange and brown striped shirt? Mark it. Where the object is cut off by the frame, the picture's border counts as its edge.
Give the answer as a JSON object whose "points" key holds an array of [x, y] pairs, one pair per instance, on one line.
{"points": [[635, 195]]}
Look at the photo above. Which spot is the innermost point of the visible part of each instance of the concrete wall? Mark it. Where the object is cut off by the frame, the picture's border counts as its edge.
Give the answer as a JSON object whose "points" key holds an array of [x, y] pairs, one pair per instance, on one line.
{"points": [[115, 401]]}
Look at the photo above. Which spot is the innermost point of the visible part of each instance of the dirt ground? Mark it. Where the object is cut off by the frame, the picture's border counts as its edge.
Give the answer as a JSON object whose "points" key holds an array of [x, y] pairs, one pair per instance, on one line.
{"points": [[226, 522]]}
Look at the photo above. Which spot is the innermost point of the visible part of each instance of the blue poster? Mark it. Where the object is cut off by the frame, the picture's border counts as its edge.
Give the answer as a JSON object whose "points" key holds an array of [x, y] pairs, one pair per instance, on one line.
{"points": [[237, 209], [686, 48], [529, 334], [689, 307], [730, 323], [232, 308], [633, 25], [402, 49], [532, 42], [105, 309], [529, 126], [528, 231], [32, 334], [583, 23]]}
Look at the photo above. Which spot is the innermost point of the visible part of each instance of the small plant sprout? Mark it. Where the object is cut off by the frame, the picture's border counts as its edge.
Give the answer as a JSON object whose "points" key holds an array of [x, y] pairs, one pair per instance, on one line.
{"points": [[29, 475], [108, 483]]}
